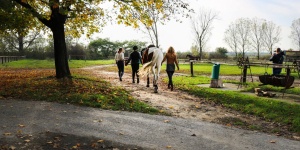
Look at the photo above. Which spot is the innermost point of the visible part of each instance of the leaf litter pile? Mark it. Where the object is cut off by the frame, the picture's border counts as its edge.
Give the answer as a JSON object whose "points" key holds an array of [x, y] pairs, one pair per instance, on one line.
{"points": [[40, 84]]}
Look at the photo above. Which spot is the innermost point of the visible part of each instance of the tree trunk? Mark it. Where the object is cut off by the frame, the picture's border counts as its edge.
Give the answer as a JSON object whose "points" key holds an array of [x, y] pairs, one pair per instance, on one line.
{"points": [[60, 51], [21, 45]]}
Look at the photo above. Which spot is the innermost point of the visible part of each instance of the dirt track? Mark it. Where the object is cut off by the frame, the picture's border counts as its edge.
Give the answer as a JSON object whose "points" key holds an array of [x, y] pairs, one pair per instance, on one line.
{"points": [[180, 104]]}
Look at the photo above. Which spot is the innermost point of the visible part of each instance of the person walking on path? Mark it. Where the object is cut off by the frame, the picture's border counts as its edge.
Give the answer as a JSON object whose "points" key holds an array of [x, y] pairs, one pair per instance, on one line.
{"points": [[171, 58], [277, 59], [135, 58], [119, 57]]}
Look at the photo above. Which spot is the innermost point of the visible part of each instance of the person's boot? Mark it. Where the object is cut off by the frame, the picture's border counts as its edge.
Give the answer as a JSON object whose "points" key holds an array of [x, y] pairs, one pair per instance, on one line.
{"points": [[169, 86], [138, 80], [121, 74], [172, 87]]}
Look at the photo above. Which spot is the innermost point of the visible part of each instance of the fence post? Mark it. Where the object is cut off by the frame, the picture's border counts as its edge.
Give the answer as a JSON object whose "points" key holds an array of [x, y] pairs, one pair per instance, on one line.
{"points": [[191, 66]]}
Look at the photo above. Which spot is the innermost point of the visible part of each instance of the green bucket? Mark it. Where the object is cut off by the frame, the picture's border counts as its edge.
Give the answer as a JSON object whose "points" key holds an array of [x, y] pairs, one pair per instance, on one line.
{"points": [[215, 71]]}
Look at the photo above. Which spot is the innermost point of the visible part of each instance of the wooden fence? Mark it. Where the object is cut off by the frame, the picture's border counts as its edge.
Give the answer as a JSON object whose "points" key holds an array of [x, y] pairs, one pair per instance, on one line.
{"points": [[5, 59]]}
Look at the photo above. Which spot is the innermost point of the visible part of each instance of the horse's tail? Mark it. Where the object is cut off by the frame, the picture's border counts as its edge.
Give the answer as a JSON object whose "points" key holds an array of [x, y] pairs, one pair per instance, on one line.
{"points": [[146, 69]]}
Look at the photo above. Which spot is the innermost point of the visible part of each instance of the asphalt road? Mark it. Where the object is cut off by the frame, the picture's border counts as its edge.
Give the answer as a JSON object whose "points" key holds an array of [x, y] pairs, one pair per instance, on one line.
{"points": [[44, 125]]}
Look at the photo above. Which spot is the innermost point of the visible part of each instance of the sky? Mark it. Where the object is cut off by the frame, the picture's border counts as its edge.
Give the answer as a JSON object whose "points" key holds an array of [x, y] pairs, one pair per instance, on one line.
{"points": [[180, 35]]}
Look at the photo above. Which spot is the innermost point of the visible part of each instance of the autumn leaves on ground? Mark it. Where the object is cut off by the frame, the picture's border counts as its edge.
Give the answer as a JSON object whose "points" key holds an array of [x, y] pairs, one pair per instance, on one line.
{"points": [[40, 84]]}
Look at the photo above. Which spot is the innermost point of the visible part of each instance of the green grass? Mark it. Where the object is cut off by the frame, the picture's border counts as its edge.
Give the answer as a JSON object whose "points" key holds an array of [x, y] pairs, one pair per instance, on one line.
{"points": [[270, 109], [49, 63], [199, 68], [206, 69]]}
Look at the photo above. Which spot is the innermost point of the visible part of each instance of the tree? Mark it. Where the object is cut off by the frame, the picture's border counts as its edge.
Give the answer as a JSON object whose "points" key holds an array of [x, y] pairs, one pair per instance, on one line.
{"points": [[16, 27], [222, 51], [243, 32], [231, 38], [271, 35], [295, 33], [153, 10], [194, 50], [128, 46], [257, 35], [202, 26], [103, 47], [83, 17]]}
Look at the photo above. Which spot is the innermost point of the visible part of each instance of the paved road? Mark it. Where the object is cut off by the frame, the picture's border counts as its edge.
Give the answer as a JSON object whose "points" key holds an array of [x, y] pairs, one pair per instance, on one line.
{"points": [[40, 125]]}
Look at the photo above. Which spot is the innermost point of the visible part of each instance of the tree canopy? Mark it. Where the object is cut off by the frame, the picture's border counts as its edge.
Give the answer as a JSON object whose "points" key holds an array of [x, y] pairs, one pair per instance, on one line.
{"points": [[77, 17]]}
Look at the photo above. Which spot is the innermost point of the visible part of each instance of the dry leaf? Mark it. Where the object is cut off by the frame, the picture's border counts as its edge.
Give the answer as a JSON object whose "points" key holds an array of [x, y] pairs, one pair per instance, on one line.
{"points": [[49, 142], [27, 140], [12, 147], [21, 125], [272, 141], [121, 133], [296, 137], [228, 124], [166, 121], [171, 107], [169, 146], [100, 141]]}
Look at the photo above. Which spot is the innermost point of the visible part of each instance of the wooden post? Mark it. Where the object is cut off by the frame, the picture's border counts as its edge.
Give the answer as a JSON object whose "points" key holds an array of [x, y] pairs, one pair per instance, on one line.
{"points": [[245, 73], [192, 70]]}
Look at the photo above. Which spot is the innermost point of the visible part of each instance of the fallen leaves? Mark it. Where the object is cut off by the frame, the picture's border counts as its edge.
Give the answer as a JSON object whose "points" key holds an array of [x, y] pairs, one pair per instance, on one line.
{"points": [[7, 133]]}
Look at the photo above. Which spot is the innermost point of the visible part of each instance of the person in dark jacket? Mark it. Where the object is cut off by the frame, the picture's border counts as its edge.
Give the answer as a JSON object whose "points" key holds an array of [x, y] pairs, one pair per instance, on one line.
{"points": [[277, 59], [135, 58]]}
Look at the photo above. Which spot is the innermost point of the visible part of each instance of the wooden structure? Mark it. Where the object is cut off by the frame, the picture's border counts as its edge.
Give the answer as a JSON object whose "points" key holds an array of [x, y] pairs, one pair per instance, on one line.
{"points": [[5, 59], [244, 65], [285, 81], [294, 58]]}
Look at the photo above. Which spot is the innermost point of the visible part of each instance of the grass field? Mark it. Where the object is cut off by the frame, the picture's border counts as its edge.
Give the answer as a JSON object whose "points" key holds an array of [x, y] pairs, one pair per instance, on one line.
{"points": [[49, 63]]}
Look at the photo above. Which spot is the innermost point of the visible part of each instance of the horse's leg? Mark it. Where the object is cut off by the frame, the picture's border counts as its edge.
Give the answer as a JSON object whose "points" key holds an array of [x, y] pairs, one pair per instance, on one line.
{"points": [[155, 78]]}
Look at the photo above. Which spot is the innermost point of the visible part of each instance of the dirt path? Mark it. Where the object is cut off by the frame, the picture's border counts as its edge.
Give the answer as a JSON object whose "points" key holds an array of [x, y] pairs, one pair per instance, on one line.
{"points": [[181, 104]]}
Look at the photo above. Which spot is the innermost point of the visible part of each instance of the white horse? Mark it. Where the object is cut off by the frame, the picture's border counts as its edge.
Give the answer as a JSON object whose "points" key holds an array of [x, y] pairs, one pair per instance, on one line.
{"points": [[154, 65]]}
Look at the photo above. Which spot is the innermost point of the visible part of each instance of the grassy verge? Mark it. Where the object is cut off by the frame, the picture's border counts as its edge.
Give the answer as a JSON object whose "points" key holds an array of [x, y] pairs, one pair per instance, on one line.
{"points": [[39, 84], [49, 63], [270, 109]]}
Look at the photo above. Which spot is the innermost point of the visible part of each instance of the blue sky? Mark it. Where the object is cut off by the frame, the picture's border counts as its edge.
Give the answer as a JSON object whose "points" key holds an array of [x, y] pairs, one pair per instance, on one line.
{"points": [[179, 35]]}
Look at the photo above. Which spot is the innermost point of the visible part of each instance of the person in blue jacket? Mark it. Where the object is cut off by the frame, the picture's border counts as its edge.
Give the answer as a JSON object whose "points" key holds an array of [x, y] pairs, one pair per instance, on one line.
{"points": [[277, 58]]}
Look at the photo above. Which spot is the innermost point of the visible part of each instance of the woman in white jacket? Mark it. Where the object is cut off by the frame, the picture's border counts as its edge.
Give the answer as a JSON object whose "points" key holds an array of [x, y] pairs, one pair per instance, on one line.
{"points": [[119, 57]]}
